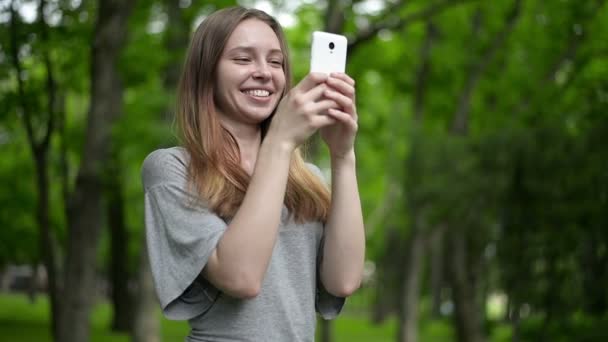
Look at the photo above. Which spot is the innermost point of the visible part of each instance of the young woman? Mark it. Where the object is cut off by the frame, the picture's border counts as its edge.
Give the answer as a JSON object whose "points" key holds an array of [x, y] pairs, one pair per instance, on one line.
{"points": [[245, 240]]}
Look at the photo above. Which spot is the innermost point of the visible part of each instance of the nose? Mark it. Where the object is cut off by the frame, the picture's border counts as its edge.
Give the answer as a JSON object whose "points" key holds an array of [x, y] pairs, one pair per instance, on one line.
{"points": [[262, 71]]}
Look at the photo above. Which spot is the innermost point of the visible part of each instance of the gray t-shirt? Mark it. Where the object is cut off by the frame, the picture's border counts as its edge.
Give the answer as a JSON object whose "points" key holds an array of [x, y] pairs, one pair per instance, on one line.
{"points": [[180, 238]]}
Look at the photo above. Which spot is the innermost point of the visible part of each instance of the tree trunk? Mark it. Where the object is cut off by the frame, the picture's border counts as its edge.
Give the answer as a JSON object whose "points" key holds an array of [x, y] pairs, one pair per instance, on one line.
{"points": [[514, 319], [436, 252], [5, 281], [86, 210], [594, 280], [410, 291], [146, 327], [122, 298], [176, 40], [32, 288], [408, 320], [334, 23], [326, 330], [39, 147], [467, 319], [389, 282], [46, 238]]}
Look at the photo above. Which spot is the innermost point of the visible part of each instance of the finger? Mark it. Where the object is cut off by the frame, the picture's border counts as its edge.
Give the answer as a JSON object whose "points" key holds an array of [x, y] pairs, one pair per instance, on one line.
{"points": [[342, 86], [344, 77], [344, 102], [310, 81], [343, 117], [319, 121], [314, 94], [322, 106]]}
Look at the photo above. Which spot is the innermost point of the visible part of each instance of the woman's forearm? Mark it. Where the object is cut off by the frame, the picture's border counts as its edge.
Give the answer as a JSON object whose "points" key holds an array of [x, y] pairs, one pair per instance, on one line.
{"points": [[239, 262], [344, 248]]}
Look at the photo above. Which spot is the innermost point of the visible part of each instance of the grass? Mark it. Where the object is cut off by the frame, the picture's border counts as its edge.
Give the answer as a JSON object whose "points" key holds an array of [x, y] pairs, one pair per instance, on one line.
{"points": [[21, 321]]}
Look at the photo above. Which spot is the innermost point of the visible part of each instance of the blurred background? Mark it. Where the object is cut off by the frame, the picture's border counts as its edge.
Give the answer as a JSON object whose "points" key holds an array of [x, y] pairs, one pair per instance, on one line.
{"points": [[482, 167]]}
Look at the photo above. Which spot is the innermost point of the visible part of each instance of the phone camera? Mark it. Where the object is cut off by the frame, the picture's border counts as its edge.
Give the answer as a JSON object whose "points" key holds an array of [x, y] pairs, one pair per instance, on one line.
{"points": [[332, 45]]}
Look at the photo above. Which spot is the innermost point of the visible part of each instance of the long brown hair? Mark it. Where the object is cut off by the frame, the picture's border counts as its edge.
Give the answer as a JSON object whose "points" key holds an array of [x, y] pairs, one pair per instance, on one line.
{"points": [[214, 169]]}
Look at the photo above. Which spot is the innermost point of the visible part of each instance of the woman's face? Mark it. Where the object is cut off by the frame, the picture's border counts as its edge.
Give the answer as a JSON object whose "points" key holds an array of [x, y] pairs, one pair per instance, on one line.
{"points": [[250, 77]]}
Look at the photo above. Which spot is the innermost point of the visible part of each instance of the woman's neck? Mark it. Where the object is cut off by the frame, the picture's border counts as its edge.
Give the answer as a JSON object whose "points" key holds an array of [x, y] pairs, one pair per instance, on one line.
{"points": [[248, 138], [249, 147]]}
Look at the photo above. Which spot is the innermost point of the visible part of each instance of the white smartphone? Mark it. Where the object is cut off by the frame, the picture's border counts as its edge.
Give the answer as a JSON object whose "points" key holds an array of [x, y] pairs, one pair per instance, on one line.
{"points": [[328, 52]]}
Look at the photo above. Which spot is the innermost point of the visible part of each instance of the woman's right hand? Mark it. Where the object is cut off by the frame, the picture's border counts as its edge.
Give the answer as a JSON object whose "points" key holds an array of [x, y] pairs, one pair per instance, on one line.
{"points": [[302, 111]]}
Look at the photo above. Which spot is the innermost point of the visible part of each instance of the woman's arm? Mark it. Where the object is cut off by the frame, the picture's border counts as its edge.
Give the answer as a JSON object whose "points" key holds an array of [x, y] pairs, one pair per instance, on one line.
{"points": [[238, 264], [344, 248], [239, 261]]}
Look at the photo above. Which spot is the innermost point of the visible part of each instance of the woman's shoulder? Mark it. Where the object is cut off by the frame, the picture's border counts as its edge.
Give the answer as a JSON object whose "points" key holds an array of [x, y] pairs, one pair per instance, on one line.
{"points": [[167, 165]]}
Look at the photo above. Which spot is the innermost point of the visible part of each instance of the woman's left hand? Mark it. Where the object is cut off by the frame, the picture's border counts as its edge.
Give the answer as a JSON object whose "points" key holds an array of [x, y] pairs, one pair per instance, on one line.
{"points": [[340, 137]]}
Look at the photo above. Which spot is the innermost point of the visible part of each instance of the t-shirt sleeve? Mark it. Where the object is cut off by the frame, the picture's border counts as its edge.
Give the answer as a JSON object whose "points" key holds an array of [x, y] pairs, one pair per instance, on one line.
{"points": [[181, 234], [327, 305]]}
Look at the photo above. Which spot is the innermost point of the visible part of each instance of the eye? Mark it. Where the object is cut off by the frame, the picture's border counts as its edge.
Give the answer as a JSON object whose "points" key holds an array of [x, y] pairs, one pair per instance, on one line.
{"points": [[242, 59], [276, 62]]}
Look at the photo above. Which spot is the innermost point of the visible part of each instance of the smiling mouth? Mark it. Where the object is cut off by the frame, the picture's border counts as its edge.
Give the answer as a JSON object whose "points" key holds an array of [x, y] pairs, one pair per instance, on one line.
{"points": [[257, 92]]}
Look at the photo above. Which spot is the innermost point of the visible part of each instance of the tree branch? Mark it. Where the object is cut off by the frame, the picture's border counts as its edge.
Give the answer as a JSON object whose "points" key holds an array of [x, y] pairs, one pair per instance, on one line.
{"points": [[50, 80], [334, 17], [394, 22], [391, 10], [569, 53], [461, 117], [27, 119], [423, 71], [574, 41]]}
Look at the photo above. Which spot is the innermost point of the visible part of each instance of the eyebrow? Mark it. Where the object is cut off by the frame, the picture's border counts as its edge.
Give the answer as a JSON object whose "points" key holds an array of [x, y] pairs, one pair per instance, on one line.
{"points": [[251, 49]]}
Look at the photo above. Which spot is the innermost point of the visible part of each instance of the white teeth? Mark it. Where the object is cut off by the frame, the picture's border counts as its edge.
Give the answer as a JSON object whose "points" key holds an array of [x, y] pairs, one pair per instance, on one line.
{"points": [[257, 92]]}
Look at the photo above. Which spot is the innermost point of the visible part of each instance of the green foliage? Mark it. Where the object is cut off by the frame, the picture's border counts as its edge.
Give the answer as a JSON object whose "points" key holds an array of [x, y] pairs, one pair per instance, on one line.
{"points": [[18, 236]]}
